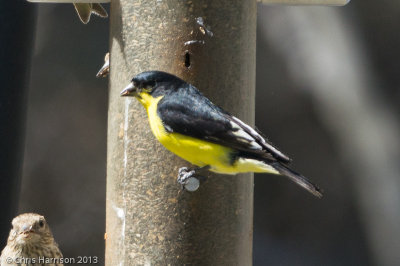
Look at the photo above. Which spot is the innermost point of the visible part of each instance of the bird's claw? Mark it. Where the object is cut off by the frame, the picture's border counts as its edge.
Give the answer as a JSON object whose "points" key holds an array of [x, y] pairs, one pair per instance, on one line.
{"points": [[184, 173], [188, 180]]}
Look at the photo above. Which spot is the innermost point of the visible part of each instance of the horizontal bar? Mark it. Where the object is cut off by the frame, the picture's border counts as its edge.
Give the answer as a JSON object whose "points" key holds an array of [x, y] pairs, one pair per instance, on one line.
{"points": [[70, 1], [306, 2], [274, 2]]}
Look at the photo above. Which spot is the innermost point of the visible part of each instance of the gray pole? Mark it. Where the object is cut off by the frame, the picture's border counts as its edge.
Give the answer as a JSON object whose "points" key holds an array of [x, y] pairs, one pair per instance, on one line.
{"points": [[150, 220]]}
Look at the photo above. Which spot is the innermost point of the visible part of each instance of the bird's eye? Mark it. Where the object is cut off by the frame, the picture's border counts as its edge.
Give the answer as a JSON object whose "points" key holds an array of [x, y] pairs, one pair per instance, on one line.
{"points": [[41, 223]]}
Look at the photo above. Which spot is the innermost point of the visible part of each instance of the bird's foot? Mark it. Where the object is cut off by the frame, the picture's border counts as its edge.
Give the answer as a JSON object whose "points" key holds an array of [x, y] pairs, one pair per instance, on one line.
{"points": [[188, 178]]}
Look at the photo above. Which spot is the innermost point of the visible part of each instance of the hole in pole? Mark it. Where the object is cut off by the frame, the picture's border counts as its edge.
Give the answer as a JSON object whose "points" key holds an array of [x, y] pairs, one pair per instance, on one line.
{"points": [[187, 59]]}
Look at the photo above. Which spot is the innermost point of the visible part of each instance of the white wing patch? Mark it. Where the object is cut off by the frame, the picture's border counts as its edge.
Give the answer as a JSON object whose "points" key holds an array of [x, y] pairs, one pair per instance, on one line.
{"points": [[244, 136], [248, 134]]}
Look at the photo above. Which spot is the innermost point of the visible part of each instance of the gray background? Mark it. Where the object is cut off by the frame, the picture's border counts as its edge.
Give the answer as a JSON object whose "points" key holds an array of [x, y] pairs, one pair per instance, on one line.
{"points": [[311, 63]]}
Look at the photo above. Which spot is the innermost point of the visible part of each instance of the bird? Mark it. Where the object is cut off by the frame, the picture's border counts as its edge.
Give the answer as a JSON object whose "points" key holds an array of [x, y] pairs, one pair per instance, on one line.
{"points": [[84, 11], [188, 124], [31, 242]]}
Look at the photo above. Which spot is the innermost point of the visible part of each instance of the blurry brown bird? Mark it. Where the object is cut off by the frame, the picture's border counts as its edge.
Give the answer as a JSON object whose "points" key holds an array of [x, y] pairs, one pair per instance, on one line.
{"points": [[30, 242], [85, 10]]}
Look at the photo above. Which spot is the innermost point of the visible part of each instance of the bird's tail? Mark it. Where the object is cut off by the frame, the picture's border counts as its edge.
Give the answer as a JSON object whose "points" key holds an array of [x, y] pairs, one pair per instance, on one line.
{"points": [[298, 179]]}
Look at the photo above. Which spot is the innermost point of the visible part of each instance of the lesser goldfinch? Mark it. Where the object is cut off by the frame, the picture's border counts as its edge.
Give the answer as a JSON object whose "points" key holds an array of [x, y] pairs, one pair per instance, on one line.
{"points": [[191, 126], [30, 243], [84, 11]]}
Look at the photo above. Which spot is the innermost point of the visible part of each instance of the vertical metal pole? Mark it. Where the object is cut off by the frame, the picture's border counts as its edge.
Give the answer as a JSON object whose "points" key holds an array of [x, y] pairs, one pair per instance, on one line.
{"points": [[16, 30], [150, 220]]}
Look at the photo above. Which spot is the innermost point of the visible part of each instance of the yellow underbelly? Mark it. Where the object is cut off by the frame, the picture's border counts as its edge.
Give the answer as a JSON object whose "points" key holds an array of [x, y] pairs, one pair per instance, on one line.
{"points": [[199, 152], [203, 153]]}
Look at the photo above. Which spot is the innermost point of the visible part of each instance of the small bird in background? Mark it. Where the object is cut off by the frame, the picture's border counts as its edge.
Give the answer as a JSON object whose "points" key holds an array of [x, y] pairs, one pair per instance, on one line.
{"points": [[85, 10], [105, 69], [30, 239], [191, 126]]}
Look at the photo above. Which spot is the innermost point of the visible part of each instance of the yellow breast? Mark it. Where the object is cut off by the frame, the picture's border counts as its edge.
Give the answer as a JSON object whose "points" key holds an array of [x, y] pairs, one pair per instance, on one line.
{"points": [[195, 151]]}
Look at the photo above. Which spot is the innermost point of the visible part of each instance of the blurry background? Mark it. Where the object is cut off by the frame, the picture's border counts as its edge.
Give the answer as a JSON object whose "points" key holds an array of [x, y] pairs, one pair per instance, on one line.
{"points": [[327, 95]]}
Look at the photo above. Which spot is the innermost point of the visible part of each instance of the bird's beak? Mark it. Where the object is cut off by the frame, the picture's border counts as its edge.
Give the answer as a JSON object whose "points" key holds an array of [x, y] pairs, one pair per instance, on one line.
{"points": [[26, 229], [130, 90], [105, 69]]}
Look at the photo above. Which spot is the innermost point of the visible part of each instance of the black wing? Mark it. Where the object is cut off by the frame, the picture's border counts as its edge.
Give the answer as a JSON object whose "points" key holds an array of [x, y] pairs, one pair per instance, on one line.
{"points": [[192, 114]]}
